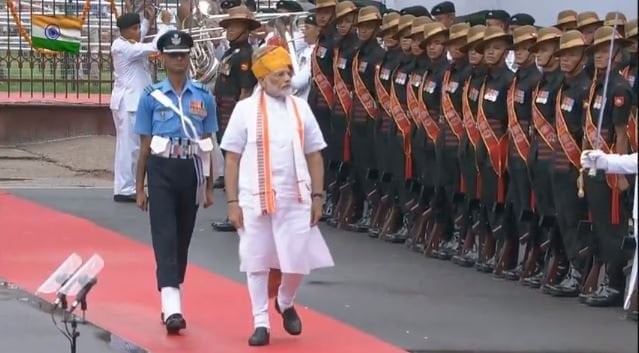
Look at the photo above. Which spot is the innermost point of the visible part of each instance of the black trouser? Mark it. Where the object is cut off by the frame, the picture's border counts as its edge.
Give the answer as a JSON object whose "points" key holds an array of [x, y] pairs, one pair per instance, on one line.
{"points": [[608, 236], [541, 179], [518, 192], [397, 164], [468, 167], [172, 210], [490, 186], [363, 152], [448, 180], [570, 210]]}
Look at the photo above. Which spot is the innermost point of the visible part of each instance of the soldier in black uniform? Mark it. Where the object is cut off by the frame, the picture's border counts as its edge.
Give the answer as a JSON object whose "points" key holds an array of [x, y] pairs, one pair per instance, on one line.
{"points": [[519, 119], [407, 89], [321, 97], [587, 23], [399, 134], [385, 124], [570, 208], [235, 80], [451, 131], [346, 43], [492, 121], [471, 138], [434, 179], [604, 192], [540, 162], [630, 73], [566, 20], [364, 113]]}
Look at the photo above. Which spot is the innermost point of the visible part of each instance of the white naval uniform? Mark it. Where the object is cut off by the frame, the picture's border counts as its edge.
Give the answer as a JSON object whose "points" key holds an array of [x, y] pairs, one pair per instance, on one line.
{"points": [[285, 239], [627, 164], [298, 41], [301, 80], [131, 75]]}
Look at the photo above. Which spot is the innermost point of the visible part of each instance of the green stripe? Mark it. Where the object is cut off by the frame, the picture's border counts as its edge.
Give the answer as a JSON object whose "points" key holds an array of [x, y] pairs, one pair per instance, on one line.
{"points": [[56, 45]]}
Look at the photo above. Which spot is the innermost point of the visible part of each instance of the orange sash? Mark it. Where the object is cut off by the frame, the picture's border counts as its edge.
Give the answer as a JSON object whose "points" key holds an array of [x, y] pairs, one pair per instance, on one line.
{"points": [[469, 120], [568, 144], [497, 147], [382, 96], [343, 95], [322, 82], [265, 184], [404, 126], [364, 96], [543, 127], [518, 135], [632, 121], [418, 110], [450, 113], [591, 135]]}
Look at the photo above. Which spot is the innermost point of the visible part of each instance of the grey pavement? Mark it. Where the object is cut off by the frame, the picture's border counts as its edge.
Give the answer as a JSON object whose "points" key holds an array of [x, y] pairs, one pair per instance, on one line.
{"points": [[420, 304]]}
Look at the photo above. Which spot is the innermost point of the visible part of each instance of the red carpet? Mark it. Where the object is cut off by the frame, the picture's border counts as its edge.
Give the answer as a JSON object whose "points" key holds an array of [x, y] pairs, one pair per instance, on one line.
{"points": [[35, 240]]}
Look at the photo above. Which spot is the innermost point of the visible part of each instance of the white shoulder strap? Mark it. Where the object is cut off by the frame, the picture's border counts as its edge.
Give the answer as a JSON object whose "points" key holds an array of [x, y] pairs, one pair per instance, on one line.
{"points": [[191, 132]]}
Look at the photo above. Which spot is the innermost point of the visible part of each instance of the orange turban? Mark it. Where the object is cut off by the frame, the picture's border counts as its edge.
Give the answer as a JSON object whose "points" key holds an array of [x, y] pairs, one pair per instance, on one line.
{"points": [[274, 59]]}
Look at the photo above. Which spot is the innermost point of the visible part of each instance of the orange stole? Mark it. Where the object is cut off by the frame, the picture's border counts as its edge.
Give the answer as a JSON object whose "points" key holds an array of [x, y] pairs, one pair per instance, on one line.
{"points": [[546, 131], [497, 147], [345, 100], [364, 96], [418, 110], [518, 135], [322, 82], [568, 144], [632, 121], [611, 179], [450, 113], [404, 126], [469, 119]]}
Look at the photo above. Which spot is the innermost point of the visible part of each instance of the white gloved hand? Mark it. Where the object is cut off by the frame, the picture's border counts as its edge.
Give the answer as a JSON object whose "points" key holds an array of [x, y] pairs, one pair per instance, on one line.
{"points": [[594, 159]]}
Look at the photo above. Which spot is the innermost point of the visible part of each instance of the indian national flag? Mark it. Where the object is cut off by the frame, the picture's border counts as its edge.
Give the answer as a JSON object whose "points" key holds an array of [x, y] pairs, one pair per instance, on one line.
{"points": [[57, 33]]}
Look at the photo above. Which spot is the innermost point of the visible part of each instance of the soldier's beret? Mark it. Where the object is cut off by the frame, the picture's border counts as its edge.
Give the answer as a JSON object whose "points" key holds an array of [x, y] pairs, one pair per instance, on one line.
{"points": [[175, 42], [290, 6], [416, 11], [127, 20], [522, 19], [227, 4], [310, 20], [443, 8], [500, 15]]}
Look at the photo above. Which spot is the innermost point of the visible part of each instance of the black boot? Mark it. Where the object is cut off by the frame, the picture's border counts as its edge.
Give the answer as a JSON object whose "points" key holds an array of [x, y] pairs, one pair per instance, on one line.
{"points": [[219, 183], [292, 322], [402, 234], [174, 324], [569, 287], [605, 295], [260, 337], [364, 223], [329, 206], [534, 281], [514, 274]]}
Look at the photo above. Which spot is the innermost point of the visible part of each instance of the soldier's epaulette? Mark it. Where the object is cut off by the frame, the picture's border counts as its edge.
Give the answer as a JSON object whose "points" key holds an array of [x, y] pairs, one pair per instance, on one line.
{"points": [[148, 89], [201, 86]]}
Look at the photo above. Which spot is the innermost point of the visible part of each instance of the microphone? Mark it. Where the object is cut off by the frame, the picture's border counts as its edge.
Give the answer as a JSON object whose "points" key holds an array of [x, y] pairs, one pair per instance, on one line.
{"points": [[82, 295]]}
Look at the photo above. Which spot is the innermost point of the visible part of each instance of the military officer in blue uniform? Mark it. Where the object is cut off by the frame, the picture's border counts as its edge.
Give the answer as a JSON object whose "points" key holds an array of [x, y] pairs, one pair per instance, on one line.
{"points": [[176, 118]]}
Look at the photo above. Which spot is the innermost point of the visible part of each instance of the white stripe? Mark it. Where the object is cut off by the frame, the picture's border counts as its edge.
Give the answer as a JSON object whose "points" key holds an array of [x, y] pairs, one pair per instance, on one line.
{"points": [[66, 34]]}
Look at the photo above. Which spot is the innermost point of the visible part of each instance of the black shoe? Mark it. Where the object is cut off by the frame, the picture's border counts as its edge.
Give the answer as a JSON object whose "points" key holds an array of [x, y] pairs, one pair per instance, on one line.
{"points": [[124, 198], [447, 250], [374, 232], [486, 267], [174, 324], [219, 183], [292, 322], [260, 337], [514, 274], [402, 234], [632, 315], [364, 223], [534, 281], [605, 296], [569, 287], [223, 226]]}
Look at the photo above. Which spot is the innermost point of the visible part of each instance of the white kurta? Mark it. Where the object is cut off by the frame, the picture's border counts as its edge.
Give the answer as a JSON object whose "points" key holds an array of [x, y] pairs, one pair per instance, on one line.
{"points": [[284, 240], [627, 164]]}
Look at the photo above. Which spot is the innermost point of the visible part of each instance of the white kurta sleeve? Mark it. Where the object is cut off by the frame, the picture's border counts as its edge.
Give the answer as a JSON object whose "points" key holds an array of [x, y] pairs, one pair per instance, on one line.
{"points": [[621, 163], [313, 139], [235, 135]]}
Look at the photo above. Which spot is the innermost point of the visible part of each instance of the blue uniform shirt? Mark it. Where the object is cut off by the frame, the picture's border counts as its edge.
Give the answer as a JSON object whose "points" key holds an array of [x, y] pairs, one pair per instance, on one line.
{"points": [[198, 104]]}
